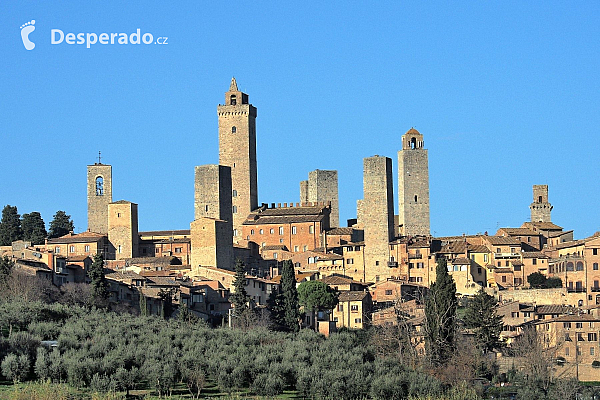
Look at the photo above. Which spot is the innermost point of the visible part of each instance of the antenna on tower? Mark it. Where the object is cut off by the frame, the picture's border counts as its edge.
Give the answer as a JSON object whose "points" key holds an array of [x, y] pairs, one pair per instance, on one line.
{"points": [[99, 157]]}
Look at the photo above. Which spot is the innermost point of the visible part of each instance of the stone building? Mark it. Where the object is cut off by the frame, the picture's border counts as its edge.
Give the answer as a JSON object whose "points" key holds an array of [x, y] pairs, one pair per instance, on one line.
{"points": [[413, 185], [322, 186], [123, 230], [237, 150], [377, 216], [540, 208], [99, 196]]}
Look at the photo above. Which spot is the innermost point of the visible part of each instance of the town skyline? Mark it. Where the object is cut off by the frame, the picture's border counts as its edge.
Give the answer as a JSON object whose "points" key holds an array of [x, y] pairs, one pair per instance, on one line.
{"points": [[469, 88]]}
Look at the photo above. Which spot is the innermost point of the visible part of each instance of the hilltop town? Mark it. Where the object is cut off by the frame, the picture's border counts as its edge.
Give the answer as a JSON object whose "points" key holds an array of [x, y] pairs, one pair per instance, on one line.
{"points": [[382, 263]]}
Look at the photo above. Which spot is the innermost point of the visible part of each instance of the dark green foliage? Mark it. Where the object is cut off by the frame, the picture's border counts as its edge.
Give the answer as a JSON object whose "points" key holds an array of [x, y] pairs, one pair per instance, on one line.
{"points": [[440, 314], [239, 298], [6, 267], [166, 296], [482, 316], [60, 225], [34, 229], [10, 226], [98, 280], [284, 305], [537, 280], [554, 282], [317, 296], [16, 367]]}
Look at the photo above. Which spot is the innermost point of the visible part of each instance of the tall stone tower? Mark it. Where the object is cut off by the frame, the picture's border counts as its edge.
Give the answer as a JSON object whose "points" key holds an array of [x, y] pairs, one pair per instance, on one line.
{"points": [[377, 215], [123, 229], [237, 149], [322, 186], [540, 208], [99, 196], [413, 186], [211, 231]]}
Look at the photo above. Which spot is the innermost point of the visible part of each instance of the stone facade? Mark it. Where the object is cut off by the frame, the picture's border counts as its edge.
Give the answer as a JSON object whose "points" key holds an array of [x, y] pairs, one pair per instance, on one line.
{"points": [[123, 233], [211, 243], [99, 196], [213, 192], [322, 186], [540, 208], [377, 215], [413, 186], [237, 149]]}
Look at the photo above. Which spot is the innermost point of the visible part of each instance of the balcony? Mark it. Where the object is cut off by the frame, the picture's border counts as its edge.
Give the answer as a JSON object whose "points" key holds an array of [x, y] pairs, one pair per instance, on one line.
{"points": [[576, 290], [392, 264], [415, 256], [595, 289], [506, 255]]}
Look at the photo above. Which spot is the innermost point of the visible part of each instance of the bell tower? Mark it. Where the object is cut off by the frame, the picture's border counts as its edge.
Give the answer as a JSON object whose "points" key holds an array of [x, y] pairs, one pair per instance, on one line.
{"points": [[237, 150], [99, 196], [540, 208]]}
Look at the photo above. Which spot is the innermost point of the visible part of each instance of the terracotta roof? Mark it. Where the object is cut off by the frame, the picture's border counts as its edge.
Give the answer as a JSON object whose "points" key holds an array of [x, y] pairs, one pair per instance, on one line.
{"points": [[299, 277], [122, 202], [478, 248], [329, 256], [352, 296], [502, 240], [573, 243], [340, 280], [284, 219], [454, 247], [553, 309], [77, 258], [122, 275], [162, 281], [151, 260], [460, 261], [503, 270], [180, 232], [340, 231], [575, 318], [516, 262], [412, 131], [533, 254], [518, 231], [544, 225], [157, 273], [275, 247], [84, 237], [557, 234], [176, 240]]}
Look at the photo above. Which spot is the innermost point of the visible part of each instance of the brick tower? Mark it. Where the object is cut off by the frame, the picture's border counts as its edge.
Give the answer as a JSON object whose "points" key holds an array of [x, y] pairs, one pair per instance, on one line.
{"points": [[413, 186], [237, 149], [377, 215], [99, 196], [540, 208]]}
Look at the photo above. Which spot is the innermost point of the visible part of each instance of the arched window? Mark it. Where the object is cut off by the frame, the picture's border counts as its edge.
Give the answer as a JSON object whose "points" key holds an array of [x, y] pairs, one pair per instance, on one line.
{"points": [[539, 199], [232, 100], [569, 266], [234, 209], [413, 143], [233, 129], [579, 266], [415, 198], [99, 186], [234, 193]]}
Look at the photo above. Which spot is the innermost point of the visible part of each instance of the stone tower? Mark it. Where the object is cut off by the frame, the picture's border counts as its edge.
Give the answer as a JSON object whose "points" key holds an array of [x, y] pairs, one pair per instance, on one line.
{"points": [[322, 186], [540, 208], [123, 229], [413, 186], [237, 149], [212, 192], [99, 196], [377, 215]]}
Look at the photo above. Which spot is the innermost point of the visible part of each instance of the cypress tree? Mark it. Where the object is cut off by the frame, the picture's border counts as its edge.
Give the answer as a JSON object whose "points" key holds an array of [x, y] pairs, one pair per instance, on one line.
{"points": [[289, 293], [10, 226], [440, 314], [239, 298], [60, 225], [34, 229], [482, 316], [99, 283]]}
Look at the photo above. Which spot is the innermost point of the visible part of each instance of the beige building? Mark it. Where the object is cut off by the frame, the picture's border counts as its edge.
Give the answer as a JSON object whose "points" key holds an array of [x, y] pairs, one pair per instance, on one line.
{"points": [[353, 310]]}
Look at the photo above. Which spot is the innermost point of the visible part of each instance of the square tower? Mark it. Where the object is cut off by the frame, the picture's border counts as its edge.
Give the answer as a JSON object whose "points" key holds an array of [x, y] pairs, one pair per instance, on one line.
{"points": [[237, 149], [123, 229], [377, 215], [99, 196], [413, 186], [213, 192], [322, 186], [540, 208]]}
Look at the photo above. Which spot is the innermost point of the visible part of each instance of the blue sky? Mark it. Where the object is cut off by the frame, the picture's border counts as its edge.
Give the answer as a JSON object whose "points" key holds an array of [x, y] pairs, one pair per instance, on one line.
{"points": [[506, 95]]}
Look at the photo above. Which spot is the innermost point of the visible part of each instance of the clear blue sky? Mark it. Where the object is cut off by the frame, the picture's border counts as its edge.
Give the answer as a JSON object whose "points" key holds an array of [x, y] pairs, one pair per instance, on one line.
{"points": [[506, 95]]}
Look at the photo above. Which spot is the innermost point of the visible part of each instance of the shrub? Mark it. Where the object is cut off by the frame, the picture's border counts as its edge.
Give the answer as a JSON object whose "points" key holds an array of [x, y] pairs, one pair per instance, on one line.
{"points": [[266, 384], [16, 368]]}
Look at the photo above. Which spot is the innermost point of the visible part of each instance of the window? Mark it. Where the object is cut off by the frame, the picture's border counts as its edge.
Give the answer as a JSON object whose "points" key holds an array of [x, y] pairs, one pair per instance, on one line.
{"points": [[118, 215], [72, 249], [534, 261], [498, 250], [517, 267], [388, 292], [479, 270], [350, 261], [178, 249], [57, 250], [570, 266], [503, 278], [271, 231], [376, 262], [280, 240], [275, 255], [578, 325], [99, 186], [261, 231], [595, 252], [591, 351], [157, 250], [232, 100], [234, 209], [296, 249], [592, 337], [354, 307], [252, 231], [357, 321], [507, 263], [415, 198], [293, 230], [595, 267], [485, 258], [304, 248], [233, 129], [87, 248], [234, 193], [340, 307], [579, 266], [120, 249], [281, 230], [566, 325], [311, 229], [235, 232], [566, 351]]}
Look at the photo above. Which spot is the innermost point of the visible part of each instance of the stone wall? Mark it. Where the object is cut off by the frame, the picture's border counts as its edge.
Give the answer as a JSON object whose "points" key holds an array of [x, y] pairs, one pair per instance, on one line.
{"points": [[98, 198], [323, 187], [123, 229]]}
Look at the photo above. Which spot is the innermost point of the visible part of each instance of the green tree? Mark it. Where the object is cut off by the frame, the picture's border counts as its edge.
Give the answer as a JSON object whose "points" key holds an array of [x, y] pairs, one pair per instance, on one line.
{"points": [[10, 226], [34, 229], [440, 314], [317, 296], [482, 316], [537, 280], [98, 280], [166, 297], [16, 367], [239, 298], [60, 225], [554, 282], [6, 267], [289, 292]]}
